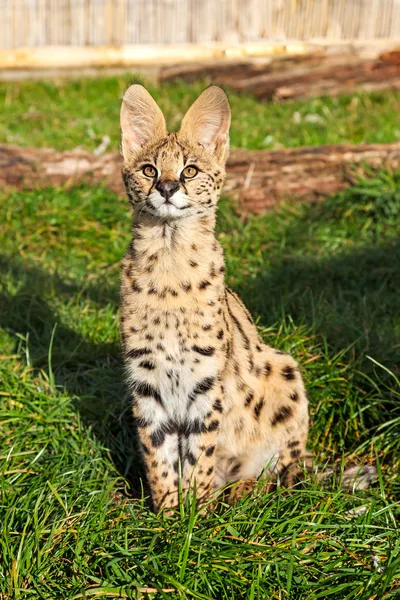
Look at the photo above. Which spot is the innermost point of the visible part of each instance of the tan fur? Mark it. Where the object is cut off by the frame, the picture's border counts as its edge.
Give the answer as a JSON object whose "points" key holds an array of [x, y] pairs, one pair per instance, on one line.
{"points": [[212, 402]]}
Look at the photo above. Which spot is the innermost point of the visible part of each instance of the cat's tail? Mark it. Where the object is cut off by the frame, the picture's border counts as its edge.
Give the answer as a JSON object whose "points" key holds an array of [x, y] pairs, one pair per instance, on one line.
{"points": [[357, 477], [351, 478]]}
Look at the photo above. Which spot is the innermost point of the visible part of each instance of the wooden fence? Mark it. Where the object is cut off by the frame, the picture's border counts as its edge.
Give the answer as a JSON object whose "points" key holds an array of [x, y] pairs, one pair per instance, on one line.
{"points": [[37, 23]]}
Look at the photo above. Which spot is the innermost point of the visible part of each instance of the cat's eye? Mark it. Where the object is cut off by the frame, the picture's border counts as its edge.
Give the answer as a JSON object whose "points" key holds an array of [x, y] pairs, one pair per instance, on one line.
{"points": [[190, 172], [149, 171]]}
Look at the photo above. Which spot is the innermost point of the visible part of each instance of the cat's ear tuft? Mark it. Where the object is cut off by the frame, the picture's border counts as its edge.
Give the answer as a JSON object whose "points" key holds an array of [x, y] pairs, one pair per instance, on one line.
{"points": [[207, 122], [141, 120]]}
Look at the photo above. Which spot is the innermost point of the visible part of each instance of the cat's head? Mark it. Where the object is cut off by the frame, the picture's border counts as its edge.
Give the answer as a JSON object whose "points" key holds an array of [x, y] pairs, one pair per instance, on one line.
{"points": [[174, 175]]}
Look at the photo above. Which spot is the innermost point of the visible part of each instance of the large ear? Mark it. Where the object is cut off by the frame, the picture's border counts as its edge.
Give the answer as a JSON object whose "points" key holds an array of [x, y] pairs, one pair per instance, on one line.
{"points": [[207, 122], [141, 120]]}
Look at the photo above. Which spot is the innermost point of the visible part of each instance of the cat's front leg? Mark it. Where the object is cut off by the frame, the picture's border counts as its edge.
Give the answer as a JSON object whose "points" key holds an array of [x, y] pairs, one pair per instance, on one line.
{"points": [[159, 437], [200, 439], [179, 447]]}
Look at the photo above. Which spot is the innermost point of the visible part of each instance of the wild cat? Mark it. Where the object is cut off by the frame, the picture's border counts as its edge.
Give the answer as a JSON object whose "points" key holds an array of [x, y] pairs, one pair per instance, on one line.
{"points": [[213, 403]]}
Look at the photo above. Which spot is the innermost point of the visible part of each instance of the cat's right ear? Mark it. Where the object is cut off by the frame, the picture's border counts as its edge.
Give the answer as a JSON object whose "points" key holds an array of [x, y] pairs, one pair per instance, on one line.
{"points": [[141, 120]]}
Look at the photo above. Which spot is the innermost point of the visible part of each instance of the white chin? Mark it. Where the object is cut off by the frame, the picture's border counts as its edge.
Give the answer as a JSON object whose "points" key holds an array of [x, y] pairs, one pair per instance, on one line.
{"points": [[176, 208], [169, 211]]}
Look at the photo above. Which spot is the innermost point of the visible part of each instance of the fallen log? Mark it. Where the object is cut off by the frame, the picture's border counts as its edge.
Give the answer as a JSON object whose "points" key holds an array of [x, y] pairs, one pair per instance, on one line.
{"points": [[32, 168], [291, 77], [260, 179], [257, 179]]}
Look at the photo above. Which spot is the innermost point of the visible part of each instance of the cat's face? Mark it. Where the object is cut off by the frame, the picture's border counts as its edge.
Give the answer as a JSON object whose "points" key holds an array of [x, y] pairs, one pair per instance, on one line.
{"points": [[176, 175], [173, 179]]}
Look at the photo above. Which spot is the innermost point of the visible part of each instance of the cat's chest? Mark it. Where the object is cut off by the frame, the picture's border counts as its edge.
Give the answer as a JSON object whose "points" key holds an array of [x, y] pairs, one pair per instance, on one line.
{"points": [[174, 355], [177, 350]]}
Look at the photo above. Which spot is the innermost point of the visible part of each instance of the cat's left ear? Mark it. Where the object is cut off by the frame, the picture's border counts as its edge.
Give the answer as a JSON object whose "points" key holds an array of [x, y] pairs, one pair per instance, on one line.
{"points": [[207, 122]]}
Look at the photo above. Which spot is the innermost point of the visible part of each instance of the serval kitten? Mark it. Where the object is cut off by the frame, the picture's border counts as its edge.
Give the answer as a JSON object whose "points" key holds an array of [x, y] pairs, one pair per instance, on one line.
{"points": [[213, 404]]}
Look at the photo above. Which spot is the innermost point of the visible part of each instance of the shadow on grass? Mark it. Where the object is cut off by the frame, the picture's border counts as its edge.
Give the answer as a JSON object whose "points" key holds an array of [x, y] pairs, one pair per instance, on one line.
{"points": [[91, 373], [351, 300]]}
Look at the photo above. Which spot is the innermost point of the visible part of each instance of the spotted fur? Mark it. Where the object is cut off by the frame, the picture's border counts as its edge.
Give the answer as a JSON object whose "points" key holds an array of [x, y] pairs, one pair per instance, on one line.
{"points": [[212, 402]]}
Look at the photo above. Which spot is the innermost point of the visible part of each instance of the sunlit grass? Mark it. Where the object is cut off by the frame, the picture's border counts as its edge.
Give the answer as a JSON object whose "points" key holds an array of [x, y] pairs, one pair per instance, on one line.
{"points": [[68, 114]]}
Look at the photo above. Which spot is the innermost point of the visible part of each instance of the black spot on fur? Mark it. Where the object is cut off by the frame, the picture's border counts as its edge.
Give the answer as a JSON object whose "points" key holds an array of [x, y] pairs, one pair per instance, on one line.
{"points": [[202, 387], [294, 396], [146, 364], [220, 334], [157, 438], [191, 458], [288, 373], [293, 444], [218, 405], [137, 352], [249, 398], [210, 470], [164, 474], [213, 426], [195, 427], [193, 263], [186, 286], [142, 388], [267, 369], [203, 284], [206, 327], [258, 407], [208, 351], [135, 287], [281, 415], [210, 451], [295, 453]]}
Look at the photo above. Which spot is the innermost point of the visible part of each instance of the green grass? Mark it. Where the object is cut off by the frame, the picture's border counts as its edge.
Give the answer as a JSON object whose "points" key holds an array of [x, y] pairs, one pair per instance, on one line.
{"points": [[67, 114], [323, 282]]}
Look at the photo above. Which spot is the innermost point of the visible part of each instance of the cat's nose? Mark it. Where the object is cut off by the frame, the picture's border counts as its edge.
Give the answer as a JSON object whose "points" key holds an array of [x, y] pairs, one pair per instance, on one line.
{"points": [[167, 187]]}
